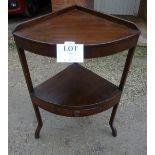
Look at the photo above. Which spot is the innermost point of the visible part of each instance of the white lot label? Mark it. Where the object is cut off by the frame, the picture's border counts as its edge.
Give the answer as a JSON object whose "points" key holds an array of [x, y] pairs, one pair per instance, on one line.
{"points": [[70, 52]]}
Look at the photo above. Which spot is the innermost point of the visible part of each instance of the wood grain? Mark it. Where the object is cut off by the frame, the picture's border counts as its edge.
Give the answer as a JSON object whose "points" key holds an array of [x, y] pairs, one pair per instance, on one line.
{"points": [[101, 34]]}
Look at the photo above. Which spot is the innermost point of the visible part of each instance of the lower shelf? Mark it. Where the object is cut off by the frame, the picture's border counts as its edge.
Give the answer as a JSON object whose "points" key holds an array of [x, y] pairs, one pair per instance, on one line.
{"points": [[75, 92]]}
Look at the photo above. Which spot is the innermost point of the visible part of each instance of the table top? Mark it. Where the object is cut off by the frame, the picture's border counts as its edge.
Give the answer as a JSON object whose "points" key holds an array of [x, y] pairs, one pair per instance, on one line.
{"points": [[79, 25], [75, 25]]}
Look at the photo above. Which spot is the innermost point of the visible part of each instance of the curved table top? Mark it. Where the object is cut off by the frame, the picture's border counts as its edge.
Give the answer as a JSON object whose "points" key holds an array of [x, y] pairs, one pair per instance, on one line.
{"points": [[78, 24]]}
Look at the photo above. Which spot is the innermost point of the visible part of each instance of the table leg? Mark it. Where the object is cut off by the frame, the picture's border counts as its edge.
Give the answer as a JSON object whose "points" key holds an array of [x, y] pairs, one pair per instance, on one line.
{"points": [[111, 122], [40, 123]]}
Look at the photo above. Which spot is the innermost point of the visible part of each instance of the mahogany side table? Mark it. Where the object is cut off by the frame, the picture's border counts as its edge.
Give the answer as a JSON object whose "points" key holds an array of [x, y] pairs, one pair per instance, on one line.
{"points": [[89, 94]]}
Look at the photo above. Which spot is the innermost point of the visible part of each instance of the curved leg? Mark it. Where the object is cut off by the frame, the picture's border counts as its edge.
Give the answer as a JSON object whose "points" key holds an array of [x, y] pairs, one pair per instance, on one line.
{"points": [[111, 122], [40, 123]]}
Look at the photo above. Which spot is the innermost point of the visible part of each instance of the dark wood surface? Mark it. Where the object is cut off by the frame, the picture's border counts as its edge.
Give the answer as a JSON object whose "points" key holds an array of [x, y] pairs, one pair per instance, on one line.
{"points": [[88, 29], [76, 91], [101, 34], [77, 88]]}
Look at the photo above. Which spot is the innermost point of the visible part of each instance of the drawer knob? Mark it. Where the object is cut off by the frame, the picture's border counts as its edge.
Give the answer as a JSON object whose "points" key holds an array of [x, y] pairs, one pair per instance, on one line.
{"points": [[76, 113]]}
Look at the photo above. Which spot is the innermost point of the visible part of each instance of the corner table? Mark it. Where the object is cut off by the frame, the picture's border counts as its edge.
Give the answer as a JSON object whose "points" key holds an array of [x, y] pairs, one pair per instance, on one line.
{"points": [[76, 91]]}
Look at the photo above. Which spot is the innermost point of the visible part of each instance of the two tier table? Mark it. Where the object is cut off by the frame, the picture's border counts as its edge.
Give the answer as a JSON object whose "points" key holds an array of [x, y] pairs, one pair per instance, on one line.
{"points": [[76, 91]]}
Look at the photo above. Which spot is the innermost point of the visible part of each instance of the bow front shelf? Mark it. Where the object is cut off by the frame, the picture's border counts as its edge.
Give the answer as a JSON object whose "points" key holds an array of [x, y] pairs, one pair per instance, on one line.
{"points": [[76, 91]]}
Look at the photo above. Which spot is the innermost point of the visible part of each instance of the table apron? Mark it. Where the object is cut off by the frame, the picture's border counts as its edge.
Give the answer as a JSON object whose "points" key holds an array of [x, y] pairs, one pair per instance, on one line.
{"points": [[90, 51]]}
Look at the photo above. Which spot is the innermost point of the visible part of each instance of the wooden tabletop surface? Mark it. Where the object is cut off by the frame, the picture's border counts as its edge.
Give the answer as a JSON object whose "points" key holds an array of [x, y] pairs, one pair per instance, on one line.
{"points": [[80, 26]]}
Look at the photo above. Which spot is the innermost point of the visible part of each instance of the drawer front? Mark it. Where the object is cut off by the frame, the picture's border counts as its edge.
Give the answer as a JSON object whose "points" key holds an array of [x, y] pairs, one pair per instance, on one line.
{"points": [[76, 112]]}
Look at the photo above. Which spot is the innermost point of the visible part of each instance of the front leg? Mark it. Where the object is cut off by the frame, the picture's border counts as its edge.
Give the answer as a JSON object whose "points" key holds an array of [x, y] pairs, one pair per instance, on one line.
{"points": [[40, 123], [111, 122]]}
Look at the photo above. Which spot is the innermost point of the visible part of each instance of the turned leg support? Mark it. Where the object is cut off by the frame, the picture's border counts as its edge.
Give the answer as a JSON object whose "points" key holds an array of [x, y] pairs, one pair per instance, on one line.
{"points": [[111, 122], [40, 123]]}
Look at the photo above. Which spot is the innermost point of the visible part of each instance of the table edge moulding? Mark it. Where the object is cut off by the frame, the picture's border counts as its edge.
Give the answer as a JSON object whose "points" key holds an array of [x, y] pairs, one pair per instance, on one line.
{"points": [[56, 95]]}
